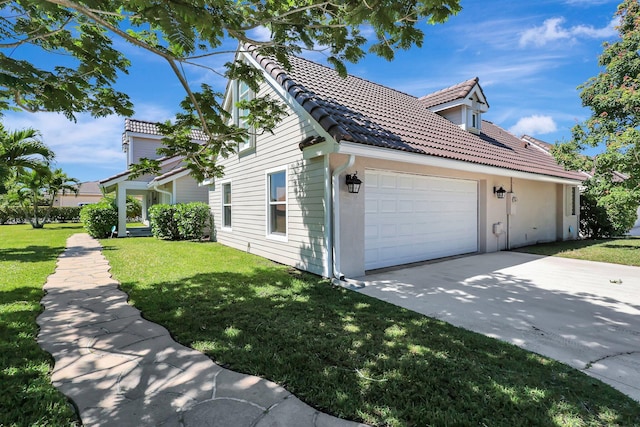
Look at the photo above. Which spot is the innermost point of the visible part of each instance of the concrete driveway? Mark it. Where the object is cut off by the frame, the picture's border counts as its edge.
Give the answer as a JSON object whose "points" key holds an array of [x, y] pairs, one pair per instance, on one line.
{"points": [[585, 314]]}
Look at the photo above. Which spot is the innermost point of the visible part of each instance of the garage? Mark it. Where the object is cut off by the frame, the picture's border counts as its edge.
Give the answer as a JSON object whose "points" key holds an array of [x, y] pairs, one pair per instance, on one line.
{"points": [[410, 218]]}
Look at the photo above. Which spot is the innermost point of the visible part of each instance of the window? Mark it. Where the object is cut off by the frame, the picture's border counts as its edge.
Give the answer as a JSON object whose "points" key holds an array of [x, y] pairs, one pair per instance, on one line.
{"points": [[474, 120], [571, 201], [277, 204], [226, 205], [243, 93]]}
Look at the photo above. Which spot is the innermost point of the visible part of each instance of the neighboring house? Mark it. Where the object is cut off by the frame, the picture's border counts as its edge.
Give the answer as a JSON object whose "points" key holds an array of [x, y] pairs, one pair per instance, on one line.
{"points": [[432, 171], [173, 185], [617, 177], [88, 192]]}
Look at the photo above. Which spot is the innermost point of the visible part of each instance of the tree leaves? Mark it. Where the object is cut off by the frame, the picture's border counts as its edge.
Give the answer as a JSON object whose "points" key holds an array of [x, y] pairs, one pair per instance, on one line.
{"points": [[182, 33]]}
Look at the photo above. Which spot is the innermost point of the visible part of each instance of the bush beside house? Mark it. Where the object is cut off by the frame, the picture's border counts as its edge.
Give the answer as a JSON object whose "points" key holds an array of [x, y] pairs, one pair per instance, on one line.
{"points": [[98, 219], [184, 221]]}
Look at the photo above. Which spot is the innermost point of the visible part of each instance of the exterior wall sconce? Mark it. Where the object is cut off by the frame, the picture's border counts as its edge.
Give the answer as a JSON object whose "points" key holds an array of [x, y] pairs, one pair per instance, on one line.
{"points": [[499, 192], [353, 183]]}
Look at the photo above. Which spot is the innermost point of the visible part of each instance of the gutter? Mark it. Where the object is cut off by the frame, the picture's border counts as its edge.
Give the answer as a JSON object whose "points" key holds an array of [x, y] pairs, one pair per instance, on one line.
{"points": [[155, 187]]}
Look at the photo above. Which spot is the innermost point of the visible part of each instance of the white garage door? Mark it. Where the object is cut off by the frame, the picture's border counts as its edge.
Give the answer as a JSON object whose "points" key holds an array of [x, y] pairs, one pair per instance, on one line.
{"points": [[411, 218]]}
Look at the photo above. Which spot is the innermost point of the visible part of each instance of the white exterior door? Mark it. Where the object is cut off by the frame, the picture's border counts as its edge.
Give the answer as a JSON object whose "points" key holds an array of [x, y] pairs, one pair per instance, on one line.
{"points": [[410, 218]]}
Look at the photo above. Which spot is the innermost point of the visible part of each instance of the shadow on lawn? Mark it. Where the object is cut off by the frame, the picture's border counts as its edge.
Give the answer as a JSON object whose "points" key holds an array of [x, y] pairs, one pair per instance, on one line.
{"points": [[27, 397], [30, 253], [360, 358]]}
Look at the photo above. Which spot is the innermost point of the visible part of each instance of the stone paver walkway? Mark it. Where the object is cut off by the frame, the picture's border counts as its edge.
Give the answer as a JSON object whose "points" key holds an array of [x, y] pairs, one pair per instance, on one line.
{"points": [[122, 370]]}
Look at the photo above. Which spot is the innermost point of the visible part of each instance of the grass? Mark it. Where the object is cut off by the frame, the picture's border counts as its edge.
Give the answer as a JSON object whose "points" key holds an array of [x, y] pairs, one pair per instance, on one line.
{"points": [[618, 251], [27, 257], [347, 354]]}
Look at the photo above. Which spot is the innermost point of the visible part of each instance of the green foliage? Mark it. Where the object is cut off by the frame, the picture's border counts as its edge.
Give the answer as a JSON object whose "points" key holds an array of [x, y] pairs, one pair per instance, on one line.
{"points": [[184, 221], [607, 210], [88, 35], [20, 150], [134, 206], [355, 357], [192, 219], [614, 126], [99, 218], [27, 397], [163, 222], [65, 214]]}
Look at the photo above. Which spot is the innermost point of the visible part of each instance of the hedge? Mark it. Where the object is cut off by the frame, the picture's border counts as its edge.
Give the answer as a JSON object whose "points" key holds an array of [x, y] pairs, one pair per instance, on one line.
{"points": [[184, 221], [16, 215]]}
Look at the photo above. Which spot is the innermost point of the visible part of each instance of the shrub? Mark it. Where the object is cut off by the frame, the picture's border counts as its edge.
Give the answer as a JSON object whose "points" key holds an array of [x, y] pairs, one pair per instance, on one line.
{"points": [[185, 221], [192, 219], [98, 219], [65, 214], [163, 224]]}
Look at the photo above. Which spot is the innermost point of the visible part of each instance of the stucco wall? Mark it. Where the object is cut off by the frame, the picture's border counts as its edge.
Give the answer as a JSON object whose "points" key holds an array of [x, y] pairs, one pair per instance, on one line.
{"points": [[538, 214]]}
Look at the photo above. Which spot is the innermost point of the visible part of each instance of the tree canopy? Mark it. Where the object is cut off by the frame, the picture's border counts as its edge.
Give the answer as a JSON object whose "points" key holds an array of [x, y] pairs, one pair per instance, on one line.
{"points": [[184, 33], [613, 96], [19, 150]]}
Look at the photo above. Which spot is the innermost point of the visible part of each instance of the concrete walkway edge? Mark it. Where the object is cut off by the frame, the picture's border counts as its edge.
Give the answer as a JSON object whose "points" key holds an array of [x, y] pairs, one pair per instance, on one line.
{"points": [[122, 370]]}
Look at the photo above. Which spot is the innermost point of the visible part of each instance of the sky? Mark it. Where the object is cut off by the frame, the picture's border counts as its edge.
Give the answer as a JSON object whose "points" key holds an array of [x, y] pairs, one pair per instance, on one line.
{"points": [[530, 57]]}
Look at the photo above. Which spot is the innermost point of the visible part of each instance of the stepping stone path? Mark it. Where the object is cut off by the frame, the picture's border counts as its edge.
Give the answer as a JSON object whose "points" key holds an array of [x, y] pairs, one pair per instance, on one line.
{"points": [[122, 370]]}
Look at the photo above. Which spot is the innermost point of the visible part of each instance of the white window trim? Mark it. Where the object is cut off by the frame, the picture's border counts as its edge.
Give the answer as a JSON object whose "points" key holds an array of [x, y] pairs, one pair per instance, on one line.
{"points": [[236, 116], [270, 236], [222, 205]]}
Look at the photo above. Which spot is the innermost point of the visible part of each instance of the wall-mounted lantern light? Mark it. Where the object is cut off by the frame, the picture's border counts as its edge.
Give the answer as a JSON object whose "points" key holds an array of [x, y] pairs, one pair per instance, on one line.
{"points": [[353, 183], [499, 192]]}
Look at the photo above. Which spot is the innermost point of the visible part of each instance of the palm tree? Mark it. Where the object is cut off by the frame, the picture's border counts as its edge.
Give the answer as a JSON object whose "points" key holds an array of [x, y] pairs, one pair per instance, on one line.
{"points": [[21, 150], [37, 190]]}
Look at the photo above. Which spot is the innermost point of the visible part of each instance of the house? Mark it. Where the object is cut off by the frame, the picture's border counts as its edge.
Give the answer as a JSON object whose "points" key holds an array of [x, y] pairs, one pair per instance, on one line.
{"points": [[436, 179], [617, 177], [172, 185], [88, 192]]}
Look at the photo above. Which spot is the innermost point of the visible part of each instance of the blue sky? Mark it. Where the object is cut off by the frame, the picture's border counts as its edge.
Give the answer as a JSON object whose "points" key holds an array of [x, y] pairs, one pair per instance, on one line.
{"points": [[530, 57]]}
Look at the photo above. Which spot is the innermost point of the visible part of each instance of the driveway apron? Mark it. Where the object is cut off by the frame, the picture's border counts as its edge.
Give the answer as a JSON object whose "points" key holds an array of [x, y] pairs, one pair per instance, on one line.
{"points": [[122, 370], [585, 314]]}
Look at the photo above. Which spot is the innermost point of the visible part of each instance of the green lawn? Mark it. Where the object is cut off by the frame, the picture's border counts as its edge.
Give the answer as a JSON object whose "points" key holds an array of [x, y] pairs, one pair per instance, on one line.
{"points": [[27, 257], [617, 251], [346, 353]]}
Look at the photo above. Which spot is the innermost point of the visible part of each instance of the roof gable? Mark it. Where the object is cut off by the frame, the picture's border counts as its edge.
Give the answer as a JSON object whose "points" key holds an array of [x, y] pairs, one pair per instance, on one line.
{"points": [[466, 93], [360, 111]]}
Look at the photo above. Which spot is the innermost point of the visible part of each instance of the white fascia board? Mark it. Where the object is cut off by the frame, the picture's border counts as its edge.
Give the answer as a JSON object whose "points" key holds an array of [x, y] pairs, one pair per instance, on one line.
{"points": [[143, 135], [321, 149], [451, 104], [133, 185], [168, 179], [361, 150], [289, 100]]}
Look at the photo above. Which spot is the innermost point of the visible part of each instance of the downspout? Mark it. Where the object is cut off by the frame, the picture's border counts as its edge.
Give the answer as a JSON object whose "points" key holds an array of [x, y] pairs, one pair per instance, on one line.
{"points": [[328, 231], [155, 187], [335, 193]]}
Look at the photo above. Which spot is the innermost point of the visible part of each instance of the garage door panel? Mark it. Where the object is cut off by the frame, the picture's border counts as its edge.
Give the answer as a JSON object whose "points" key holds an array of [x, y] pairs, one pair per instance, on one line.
{"points": [[411, 218]]}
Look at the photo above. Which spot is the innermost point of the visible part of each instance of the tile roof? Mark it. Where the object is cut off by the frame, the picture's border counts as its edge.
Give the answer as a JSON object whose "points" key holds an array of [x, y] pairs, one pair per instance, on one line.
{"points": [[151, 128], [453, 93], [538, 142], [357, 110]]}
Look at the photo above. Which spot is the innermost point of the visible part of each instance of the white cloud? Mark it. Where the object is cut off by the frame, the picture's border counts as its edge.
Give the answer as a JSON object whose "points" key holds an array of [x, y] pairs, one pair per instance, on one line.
{"points": [[91, 145], [534, 125], [553, 30], [261, 34]]}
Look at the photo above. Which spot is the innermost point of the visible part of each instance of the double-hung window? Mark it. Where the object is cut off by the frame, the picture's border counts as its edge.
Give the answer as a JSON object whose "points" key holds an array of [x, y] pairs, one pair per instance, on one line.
{"points": [[244, 93], [226, 205], [277, 204]]}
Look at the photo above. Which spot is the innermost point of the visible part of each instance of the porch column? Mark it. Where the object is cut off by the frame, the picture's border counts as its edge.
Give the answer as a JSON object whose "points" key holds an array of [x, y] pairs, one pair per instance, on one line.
{"points": [[144, 207], [121, 199]]}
